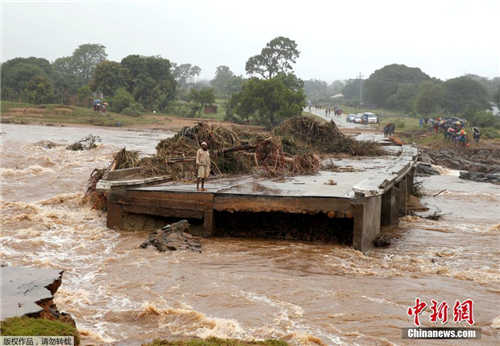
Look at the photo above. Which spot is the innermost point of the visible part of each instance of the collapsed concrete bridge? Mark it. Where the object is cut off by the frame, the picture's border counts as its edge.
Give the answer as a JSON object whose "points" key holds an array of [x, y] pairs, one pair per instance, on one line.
{"points": [[354, 200]]}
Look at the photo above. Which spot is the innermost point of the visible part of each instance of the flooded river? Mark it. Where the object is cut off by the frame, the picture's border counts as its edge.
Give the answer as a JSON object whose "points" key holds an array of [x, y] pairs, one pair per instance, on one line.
{"points": [[305, 293]]}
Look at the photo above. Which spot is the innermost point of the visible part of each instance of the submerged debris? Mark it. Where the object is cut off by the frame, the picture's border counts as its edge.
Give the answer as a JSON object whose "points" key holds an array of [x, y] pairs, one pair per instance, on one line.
{"points": [[96, 199], [46, 144], [173, 237], [382, 240], [426, 169], [493, 178], [86, 143]]}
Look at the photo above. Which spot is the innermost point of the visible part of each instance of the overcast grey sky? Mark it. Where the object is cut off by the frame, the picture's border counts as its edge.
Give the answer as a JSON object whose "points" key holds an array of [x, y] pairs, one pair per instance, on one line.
{"points": [[337, 39]]}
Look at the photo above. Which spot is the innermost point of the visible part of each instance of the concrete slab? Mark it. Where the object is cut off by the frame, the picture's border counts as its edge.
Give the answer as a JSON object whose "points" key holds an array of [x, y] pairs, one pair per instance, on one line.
{"points": [[368, 177]]}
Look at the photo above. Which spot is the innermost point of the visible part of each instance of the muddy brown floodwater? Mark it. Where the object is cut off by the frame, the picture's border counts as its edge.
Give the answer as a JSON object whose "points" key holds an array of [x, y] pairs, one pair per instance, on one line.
{"points": [[305, 293]]}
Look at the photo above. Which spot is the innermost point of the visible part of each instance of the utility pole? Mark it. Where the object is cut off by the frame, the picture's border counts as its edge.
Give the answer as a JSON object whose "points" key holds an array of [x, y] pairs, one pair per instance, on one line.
{"points": [[360, 76]]}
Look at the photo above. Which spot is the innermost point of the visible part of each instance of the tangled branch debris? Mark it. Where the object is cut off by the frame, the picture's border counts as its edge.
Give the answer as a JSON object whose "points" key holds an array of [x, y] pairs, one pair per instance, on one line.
{"points": [[301, 134], [96, 199], [125, 159], [293, 148], [86, 143]]}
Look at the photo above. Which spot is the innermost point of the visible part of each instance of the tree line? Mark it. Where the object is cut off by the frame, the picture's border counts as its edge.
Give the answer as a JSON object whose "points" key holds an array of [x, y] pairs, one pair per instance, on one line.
{"points": [[269, 93], [409, 90], [138, 83]]}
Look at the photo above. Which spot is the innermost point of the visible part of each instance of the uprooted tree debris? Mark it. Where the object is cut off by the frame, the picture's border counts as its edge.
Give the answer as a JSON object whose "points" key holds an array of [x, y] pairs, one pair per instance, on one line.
{"points": [[293, 148], [86, 143], [299, 134]]}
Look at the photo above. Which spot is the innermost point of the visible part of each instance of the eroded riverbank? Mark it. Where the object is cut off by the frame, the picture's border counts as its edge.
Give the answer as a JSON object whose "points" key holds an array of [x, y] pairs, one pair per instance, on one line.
{"points": [[303, 292]]}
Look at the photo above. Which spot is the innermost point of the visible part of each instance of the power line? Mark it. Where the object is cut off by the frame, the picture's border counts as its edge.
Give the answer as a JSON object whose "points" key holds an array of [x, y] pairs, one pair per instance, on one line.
{"points": [[360, 76]]}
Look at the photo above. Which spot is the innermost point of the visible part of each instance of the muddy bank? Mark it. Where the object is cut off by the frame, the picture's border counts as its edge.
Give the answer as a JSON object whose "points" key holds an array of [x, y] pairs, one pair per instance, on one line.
{"points": [[484, 160], [30, 292], [480, 164]]}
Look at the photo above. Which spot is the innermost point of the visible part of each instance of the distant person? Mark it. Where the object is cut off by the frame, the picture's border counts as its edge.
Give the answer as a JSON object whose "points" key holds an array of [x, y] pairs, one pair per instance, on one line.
{"points": [[421, 122], [450, 134], [476, 134], [436, 126], [203, 165], [462, 137], [389, 129]]}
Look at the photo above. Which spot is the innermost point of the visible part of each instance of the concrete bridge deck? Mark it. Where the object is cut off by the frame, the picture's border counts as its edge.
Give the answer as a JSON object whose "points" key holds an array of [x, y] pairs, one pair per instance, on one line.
{"points": [[371, 191]]}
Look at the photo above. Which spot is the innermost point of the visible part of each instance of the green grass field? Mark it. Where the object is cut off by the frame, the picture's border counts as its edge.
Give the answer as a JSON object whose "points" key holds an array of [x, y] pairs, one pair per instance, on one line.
{"points": [[25, 326], [24, 113], [13, 112]]}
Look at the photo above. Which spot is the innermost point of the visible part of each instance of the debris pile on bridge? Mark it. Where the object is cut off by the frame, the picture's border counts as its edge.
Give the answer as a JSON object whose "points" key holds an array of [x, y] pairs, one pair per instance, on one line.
{"points": [[231, 153], [293, 148], [303, 134]]}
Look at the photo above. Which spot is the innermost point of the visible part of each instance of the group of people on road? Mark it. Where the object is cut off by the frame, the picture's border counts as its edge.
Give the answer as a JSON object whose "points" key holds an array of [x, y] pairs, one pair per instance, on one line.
{"points": [[454, 130], [328, 109]]}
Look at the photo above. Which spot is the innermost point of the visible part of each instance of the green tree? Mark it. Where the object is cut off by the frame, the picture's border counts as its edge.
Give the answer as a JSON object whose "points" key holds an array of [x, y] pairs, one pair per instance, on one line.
{"points": [[430, 98], [222, 80], [109, 76], [121, 100], [18, 72], [404, 97], [163, 94], [235, 84], [276, 57], [84, 96], [352, 89], [316, 90], [86, 58], [483, 119], [185, 73], [386, 82], [202, 97], [463, 94], [267, 101], [150, 80], [497, 96], [39, 90], [66, 82]]}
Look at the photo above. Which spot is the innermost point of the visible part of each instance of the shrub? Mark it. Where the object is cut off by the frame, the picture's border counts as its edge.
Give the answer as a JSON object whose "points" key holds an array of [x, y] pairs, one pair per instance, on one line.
{"points": [[134, 110], [121, 100], [490, 133], [183, 109], [400, 124]]}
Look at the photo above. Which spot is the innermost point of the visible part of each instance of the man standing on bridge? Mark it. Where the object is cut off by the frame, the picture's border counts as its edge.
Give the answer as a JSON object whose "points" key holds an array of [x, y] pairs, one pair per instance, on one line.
{"points": [[203, 165]]}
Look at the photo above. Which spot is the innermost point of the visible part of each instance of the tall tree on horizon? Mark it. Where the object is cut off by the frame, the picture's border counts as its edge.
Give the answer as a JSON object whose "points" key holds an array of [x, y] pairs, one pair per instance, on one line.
{"points": [[85, 59], [276, 57]]}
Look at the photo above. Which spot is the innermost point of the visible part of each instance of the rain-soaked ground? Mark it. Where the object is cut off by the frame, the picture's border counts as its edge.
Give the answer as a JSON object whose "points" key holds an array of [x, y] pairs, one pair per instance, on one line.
{"points": [[306, 293]]}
